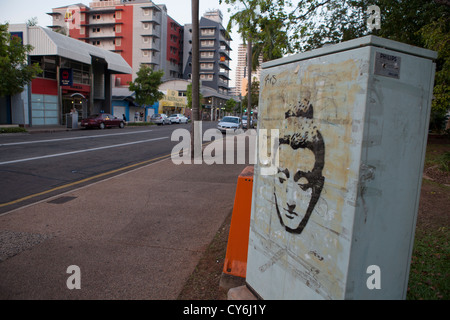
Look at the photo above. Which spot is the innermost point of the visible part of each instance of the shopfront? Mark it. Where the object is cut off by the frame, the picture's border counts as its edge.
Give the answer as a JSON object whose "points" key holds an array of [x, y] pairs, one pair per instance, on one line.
{"points": [[76, 77], [172, 103]]}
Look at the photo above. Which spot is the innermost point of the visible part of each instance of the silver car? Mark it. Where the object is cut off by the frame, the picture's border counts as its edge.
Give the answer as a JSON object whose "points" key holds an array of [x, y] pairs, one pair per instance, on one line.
{"points": [[160, 119], [229, 123], [178, 118], [244, 122]]}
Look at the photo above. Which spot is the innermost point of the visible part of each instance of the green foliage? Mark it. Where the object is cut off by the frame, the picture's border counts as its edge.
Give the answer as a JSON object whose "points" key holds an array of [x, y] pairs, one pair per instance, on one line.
{"points": [[189, 97], [140, 124], [254, 97], [444, 160], [259, 21], [436, 36], [428, 276], [285, 26], [230, 105], [15, 72], [32, 22], [12, 130], [146, 85]]}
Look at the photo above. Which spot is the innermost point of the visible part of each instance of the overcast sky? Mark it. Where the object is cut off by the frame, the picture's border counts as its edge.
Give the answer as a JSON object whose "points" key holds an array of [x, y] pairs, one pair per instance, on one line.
{"points": [[20, 11]]}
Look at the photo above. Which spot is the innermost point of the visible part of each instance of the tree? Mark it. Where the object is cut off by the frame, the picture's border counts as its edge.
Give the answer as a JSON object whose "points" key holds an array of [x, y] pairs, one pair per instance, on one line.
{"points": [[436, 36], [247, 20], [146, 85], [309, 24], [15, 72], [230, 105], [254, 95], [32, 22]]}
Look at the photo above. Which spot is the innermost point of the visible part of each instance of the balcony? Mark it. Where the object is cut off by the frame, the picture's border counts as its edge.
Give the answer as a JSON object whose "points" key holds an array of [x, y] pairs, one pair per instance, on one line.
{"points": [[102, 4], [224, 75], [101, 24], [224, 64], [101, 37]]}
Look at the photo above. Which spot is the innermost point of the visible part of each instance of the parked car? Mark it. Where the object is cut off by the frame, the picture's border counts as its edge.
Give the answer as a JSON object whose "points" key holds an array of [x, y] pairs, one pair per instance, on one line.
{"points": [[229, 123], [160, 119], [102, 121], [178, 118], [244, 122]]}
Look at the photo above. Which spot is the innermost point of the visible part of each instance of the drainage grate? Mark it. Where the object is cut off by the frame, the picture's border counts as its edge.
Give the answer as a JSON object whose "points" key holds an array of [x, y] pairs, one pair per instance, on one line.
{"points": [[61, 200]]}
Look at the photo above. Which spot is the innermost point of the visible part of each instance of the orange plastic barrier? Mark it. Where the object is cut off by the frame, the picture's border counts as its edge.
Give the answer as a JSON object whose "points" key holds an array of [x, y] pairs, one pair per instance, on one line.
{"points": [[236, 258]]}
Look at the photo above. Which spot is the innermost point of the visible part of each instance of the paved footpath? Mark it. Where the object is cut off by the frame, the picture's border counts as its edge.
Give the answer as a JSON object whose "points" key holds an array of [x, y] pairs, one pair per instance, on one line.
{"points": [[138, 235]]}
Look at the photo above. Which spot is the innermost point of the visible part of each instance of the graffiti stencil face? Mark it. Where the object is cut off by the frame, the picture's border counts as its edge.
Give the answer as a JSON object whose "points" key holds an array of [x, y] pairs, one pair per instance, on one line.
{"points": [[299, 181], [292, 190]]}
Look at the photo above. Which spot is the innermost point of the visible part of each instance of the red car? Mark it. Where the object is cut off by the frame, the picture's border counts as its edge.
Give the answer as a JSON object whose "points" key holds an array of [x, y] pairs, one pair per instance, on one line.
{"points": [[102, 121]]}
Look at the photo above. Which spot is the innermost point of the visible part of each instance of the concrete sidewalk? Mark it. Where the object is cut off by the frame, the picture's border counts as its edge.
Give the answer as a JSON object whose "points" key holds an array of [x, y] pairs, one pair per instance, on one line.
{"points": [[138, 235]]}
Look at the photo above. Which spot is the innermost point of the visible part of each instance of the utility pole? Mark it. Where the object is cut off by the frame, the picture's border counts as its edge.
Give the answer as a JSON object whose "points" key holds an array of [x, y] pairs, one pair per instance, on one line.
{"points": [[249, 91], [196, 131]]}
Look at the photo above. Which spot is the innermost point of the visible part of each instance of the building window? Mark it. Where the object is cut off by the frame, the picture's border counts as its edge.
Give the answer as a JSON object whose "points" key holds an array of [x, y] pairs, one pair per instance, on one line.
{"points": [[47, 64], [207, 43], [207, 32], [207, 54], [207, 65]]}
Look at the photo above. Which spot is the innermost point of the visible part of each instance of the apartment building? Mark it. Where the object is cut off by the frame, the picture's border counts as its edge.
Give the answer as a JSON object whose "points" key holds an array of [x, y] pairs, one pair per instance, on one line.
{"points": [[214, 49], [140, 31], [241, 80]]}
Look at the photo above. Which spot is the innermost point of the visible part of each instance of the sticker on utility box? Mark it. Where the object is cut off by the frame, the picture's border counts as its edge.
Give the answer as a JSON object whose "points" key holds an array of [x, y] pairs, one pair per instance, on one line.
{"points": [[387, 65]]}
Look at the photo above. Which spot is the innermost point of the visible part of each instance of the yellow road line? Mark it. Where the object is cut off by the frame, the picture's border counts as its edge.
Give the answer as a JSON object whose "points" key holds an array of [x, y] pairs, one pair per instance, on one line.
{"points": [[87, 179], [82, 181]]}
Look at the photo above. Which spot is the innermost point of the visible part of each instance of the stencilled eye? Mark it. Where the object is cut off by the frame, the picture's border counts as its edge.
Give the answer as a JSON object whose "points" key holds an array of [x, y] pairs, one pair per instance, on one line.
{"points": [[283, 175], [303, 183]]}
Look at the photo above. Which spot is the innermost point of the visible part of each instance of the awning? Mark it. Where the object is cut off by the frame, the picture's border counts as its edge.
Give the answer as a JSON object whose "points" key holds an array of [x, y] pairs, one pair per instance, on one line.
{"points": [[47, 42]]}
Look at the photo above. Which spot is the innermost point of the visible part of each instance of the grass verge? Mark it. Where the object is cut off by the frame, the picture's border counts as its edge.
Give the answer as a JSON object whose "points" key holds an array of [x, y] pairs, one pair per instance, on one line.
{"points": [[429, 273], [12, 130]]}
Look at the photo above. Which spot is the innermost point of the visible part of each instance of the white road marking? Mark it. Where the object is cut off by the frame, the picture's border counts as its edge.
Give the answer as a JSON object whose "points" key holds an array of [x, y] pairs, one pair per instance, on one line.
{"points": [[80, 151], [73, 138]]}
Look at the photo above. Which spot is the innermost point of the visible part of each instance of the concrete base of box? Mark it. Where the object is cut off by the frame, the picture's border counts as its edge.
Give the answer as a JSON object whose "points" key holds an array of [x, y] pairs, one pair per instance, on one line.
{"points": [[241, 293]]}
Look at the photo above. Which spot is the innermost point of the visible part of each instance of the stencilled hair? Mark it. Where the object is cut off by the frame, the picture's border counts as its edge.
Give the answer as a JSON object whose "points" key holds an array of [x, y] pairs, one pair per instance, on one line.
{"points": [[308, 135]]}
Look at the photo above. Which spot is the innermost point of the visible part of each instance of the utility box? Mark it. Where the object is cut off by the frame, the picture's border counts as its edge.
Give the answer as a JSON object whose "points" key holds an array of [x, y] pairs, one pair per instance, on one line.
{"points": [[72, 120], [348, 125]]}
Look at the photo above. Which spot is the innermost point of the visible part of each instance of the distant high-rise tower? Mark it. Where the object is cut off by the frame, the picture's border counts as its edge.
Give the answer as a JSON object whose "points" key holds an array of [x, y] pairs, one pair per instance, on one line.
{"points": [[241, 70]]}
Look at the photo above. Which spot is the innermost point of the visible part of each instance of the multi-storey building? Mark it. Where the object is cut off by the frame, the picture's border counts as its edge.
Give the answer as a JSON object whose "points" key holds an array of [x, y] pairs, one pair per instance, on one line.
{"points": [[214, 52], [214, 60], [141, 31]]}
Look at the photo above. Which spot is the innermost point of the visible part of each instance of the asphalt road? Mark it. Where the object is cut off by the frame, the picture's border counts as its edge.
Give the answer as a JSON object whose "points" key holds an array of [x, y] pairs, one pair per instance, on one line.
{"points": [[34, 167]]}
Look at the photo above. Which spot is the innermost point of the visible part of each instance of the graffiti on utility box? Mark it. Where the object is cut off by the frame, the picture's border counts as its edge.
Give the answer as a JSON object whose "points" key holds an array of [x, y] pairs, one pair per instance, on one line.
{"points": [[297, 214]]}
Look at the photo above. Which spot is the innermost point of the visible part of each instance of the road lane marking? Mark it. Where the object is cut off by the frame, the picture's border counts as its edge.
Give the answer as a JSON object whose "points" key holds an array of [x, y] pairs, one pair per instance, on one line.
{"points": [[143, 163], [80, 151], [82, 181], [73, 138]]}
